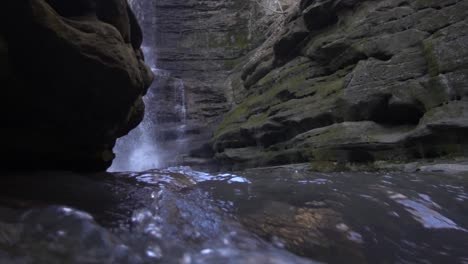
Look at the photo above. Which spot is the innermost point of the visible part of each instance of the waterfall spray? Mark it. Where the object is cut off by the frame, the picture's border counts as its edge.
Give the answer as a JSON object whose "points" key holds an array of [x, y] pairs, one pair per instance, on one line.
{"points": [[138, 150], [141, 149]]}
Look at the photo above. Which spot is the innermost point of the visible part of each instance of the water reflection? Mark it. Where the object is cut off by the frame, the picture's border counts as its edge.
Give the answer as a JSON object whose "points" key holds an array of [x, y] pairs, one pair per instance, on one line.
{"points": [[178, 215], [357, 217], [428, 217]]}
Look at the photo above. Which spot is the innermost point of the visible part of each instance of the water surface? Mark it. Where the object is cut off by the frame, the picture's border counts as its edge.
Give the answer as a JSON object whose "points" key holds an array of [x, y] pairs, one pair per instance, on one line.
{"points": [[271, 215]]}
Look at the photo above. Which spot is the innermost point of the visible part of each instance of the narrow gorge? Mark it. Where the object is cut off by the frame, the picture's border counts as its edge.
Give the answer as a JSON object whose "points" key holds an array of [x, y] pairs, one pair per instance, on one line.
{"points": [[234, 131], [281, 82]]}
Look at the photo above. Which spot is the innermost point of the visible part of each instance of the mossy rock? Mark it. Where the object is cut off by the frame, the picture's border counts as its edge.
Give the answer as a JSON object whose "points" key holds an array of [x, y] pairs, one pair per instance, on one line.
{"points": [[232, 39], [432, 60]]}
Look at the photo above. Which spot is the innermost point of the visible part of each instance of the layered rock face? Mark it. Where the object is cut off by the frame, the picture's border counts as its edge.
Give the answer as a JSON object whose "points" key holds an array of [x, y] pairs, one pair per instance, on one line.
{"points": [[198, 43], [352, 81], [73, 78]]}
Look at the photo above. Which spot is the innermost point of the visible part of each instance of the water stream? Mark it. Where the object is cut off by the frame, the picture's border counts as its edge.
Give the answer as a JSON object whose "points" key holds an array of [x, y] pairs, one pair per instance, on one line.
{"points": [[284, 214]]}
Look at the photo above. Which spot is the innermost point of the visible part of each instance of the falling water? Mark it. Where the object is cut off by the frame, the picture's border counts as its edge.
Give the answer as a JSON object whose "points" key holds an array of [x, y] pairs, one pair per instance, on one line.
{"points": [[179, 105], [140, 149]]}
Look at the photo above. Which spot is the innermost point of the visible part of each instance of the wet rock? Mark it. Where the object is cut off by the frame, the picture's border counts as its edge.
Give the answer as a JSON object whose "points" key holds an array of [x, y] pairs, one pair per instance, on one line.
{"points": [[445, 168], [361, 84], [76, 90], [152, 216], [199, 43], [304, 231]]}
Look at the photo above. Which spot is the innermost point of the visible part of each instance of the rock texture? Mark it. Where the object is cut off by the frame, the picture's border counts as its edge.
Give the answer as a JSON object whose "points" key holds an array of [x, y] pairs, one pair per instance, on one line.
{"points": [[352, 81], [72, 77], [198, 44]]}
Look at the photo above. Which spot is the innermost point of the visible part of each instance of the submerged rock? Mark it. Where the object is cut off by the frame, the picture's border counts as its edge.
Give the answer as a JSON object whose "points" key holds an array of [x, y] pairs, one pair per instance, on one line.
{"points": [[158, 216], [73, 79]]}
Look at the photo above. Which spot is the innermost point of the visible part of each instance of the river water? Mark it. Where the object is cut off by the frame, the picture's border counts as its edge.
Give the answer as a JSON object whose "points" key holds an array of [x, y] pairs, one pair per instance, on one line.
{"points": [[271, 215]]}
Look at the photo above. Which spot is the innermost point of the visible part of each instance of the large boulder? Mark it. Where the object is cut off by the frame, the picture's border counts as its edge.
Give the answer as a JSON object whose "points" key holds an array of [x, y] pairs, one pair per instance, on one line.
{"points": [[73, 78]]}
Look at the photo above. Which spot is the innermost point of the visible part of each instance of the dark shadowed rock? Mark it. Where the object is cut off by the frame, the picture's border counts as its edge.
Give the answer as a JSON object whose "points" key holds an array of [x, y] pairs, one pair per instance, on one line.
{"points": [[75, 82]]}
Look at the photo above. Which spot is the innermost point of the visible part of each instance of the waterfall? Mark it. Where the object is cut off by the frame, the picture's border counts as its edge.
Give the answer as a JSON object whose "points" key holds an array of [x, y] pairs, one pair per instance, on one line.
{"points": [[180, 108], [181, 115], [140, 149]]}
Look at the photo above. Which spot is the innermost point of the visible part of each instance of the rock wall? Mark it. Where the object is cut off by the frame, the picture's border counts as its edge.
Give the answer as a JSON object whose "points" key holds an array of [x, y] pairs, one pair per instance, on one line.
{"points": [[73, 77], [352, 81], [198, 43]]}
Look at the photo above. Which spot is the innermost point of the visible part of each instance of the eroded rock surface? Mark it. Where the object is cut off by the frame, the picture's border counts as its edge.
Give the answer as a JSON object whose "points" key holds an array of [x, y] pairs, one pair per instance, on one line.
{"points": [[352, 81], [198, 44], [73, 78]]}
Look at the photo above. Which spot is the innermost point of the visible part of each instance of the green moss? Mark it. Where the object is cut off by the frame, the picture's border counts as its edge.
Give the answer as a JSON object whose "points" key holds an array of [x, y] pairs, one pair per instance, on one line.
{"points": [[326, 93], [331, 87], [432, 61], [296, 86], [232, 39], [235, 117], [256, 120], [241, 113], [232, 63], [277, 92], [296, 68], [269, 79], [452, 110], [238, 39]]}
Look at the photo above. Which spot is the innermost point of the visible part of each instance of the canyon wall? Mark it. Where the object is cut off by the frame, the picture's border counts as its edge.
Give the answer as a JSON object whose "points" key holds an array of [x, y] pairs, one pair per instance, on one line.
{"points": [[198, 44], [72, 77], [352, 81], [329, 81], [265, 81]]}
